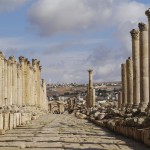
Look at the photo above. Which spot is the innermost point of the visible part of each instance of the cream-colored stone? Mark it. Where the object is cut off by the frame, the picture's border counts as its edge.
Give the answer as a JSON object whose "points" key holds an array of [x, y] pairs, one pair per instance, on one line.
{"points": [[129, 69], [144, 71], [136, 67], [11, 121], [124, 85], [6, 121], [1, 121]]}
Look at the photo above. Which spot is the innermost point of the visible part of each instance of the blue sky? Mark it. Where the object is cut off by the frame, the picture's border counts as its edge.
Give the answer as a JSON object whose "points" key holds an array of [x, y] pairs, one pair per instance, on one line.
{"points": [[71, 36]]}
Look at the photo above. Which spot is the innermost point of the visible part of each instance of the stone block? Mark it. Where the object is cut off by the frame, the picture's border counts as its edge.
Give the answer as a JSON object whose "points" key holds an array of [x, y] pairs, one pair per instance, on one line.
{"points": [[11, 121], [6, 121], [25, 117], [1, 121], [2, 131]]}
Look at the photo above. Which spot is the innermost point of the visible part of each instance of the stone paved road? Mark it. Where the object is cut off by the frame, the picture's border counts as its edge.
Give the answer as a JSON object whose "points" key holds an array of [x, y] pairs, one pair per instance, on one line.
{"points": [[64, 132]]}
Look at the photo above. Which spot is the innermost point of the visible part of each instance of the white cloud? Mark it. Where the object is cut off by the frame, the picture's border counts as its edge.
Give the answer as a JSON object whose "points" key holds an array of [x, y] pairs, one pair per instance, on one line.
{"points": [[10, 5], [75, 16], [50, 17]]}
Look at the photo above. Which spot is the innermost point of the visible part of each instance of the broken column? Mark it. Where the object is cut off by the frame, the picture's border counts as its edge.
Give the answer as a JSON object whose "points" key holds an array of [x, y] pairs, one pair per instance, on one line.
{"points": [[144, 70], [136, 67], [91, 96]]}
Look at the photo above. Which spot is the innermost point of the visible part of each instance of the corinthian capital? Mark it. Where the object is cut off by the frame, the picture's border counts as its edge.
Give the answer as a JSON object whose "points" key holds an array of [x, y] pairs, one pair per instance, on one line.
{"points": [[147, 13], [142, 26], [134, 34]]}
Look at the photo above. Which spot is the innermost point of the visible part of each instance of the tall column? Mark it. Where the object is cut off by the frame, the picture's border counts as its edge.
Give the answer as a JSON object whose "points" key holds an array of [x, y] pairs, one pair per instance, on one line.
{"points": [[2, 57], [38, 82], [147, 13], [124, 85], [9, 81], [5, 83], [91, 96], [22, 63], [144, 70], [14, 80], [129, 65], [19, 85], [136, 67], [119, 100]]}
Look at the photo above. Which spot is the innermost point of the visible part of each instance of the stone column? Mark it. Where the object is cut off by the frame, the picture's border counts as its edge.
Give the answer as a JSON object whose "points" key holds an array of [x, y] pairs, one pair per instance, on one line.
{"points": [[136, 67], [5, 83], [129, 65], [91, 100], [2, 57], [144, 70], [9, 81], [19, 85], [22, 63], [119, 100], [34, 62], [14, 80], [38, 82], [124, 86], [147, 13]]}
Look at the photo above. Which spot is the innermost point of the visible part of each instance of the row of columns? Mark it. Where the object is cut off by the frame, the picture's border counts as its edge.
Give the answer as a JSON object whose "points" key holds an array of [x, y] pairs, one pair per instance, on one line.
{"points": [[136, 71], [21, 84]]}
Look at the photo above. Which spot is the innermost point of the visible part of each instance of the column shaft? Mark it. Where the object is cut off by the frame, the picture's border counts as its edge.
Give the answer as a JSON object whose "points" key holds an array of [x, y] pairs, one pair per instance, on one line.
{"points": [[144, 73]]}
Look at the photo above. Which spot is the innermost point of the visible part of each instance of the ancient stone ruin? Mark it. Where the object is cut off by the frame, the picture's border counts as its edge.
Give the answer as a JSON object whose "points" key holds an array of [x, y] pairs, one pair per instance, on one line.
{"points": [[22, 92], [131, 116]]}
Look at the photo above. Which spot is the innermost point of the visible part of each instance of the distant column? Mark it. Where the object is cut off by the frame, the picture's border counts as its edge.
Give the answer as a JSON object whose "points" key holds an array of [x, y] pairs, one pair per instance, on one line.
{"points": [[136, 67], [91, 93], [144, 70], [124, 85], [129, 66]]}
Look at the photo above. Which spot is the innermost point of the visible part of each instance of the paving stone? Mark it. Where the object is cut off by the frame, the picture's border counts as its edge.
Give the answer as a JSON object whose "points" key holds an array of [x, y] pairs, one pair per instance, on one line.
{"points": [[64, 132]]}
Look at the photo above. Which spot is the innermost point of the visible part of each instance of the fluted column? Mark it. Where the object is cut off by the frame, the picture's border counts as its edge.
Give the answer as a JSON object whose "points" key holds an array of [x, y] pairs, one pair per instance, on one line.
{"points": [[129, 65], [144, 70], [147, 13], [136, 67], [124, 85]]}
